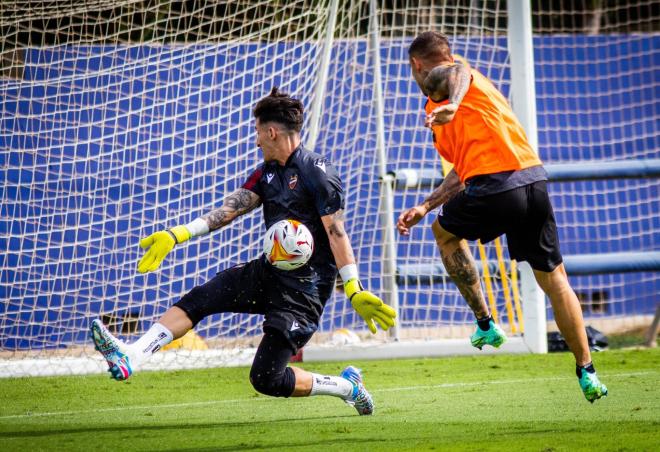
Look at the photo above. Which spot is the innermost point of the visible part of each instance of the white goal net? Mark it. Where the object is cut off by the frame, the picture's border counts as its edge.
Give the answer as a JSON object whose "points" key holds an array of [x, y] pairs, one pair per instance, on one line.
{"points": [[121, 118]]}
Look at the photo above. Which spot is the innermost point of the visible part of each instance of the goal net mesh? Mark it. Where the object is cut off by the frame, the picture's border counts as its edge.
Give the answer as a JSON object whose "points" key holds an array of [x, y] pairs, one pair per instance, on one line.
{"points": [[122, 118]]}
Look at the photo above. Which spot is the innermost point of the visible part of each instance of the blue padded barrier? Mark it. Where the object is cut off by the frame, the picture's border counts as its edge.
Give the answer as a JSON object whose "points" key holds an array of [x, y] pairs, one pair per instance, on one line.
{"points": [[427, 274], [585, 264], [625, 262], [557, 172]]}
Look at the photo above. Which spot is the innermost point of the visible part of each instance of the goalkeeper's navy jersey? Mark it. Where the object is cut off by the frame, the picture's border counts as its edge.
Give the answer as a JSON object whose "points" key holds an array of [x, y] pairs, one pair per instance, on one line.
{"points": [[306, 188]]}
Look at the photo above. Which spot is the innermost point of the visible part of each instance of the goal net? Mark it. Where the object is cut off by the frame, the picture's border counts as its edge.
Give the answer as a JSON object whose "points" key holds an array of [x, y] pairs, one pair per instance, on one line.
{"points": [[597, 100], [122, 118]]}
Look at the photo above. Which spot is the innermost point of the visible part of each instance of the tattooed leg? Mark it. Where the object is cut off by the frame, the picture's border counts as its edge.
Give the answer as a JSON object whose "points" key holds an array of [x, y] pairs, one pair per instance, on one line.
{"points": [[462, 269]]}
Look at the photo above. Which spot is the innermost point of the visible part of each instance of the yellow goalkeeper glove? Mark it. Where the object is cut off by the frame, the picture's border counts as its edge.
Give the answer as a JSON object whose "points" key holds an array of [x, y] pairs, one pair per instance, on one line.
{"points": [[159, 244], [369, 306]]}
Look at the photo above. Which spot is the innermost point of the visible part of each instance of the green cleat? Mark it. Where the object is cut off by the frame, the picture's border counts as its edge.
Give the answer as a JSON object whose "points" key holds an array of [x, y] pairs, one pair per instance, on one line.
{"points": [[493, 336], [591, 386]]}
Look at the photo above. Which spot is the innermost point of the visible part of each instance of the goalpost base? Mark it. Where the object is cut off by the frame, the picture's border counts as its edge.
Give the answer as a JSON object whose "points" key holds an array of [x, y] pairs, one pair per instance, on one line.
{"points": [[408, 349]]}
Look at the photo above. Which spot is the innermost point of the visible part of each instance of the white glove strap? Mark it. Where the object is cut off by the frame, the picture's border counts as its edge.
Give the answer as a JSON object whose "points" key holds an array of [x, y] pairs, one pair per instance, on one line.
{"points": [[348, 272], [198, 227]]}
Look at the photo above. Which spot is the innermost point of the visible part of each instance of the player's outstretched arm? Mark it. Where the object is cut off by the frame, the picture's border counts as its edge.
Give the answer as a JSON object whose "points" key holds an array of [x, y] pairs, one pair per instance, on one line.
{"points": [[160, 243], [445, 191], [368, 306]]}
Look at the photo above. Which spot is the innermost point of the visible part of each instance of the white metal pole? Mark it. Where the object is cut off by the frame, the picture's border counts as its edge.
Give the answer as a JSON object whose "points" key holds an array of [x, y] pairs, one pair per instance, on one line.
{"points": [[523, 96], [322, 81], [390, 290]]}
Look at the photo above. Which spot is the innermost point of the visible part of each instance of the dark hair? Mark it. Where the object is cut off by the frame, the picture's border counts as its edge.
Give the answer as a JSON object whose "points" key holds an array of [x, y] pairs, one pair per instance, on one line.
{"points": [[280, 108], [430, 46]]}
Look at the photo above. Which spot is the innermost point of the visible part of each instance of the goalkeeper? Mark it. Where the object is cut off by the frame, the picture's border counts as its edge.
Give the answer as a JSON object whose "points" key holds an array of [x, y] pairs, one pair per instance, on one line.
{"points": [[294, 183], [497, 186]]}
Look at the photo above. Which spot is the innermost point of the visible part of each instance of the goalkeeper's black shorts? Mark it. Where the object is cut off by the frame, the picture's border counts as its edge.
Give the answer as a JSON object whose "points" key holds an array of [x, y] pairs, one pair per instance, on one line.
{"points": [[524, 214], [253, 288]]}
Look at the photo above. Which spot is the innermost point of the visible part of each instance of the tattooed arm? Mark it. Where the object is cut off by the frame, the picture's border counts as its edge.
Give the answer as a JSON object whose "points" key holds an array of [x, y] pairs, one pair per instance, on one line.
{"points": [[445, 191], [339, 243], [446, 82], [449, 187], [238, 203], [160, 243]]}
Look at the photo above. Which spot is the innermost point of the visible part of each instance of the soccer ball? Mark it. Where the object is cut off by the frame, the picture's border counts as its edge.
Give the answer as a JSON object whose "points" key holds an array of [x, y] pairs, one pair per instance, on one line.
{"points": [[344, 336], [288, 244]]}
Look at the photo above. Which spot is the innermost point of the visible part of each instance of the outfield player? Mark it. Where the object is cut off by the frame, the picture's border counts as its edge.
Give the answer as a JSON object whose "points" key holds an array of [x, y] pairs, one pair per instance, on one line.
{"points": [[294, 183], [497, 186]]}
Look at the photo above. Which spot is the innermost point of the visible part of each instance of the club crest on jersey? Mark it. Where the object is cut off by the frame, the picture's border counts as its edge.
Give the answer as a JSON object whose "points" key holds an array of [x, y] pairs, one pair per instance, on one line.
{"points": [[293, 180], [269, 177]]}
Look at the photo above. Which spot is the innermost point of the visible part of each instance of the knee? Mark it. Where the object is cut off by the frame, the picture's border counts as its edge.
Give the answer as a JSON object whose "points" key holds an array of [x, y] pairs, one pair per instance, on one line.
{"points": [[554, 283], [273, 384]]}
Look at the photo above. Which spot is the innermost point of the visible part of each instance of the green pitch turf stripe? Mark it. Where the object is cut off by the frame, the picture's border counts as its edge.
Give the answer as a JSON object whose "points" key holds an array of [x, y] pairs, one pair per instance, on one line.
{"points": [[505, 382], [267, 399]]}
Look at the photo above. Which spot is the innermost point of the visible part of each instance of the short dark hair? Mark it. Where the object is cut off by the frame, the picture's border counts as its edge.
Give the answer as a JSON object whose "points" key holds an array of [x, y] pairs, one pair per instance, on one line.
{"points": [[430, 46], [280, 108]]}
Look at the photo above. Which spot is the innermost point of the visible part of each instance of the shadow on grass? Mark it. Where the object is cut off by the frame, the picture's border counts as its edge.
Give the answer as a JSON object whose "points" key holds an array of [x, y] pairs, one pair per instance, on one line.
{"points": [[58, 430], [317, 445]]}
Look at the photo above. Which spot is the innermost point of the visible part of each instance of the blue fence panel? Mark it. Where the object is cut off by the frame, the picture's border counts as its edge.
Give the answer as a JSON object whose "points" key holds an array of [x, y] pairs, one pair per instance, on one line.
{"points": [[143, 175]]}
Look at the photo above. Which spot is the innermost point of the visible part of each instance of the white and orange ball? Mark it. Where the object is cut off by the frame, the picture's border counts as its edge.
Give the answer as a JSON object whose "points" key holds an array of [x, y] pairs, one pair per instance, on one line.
{"points": [[288, 244]]}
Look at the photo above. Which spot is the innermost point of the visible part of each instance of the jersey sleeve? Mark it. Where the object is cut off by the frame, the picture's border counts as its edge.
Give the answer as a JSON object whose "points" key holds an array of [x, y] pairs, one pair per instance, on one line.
{"points": [[326, 187], [253, 182]]}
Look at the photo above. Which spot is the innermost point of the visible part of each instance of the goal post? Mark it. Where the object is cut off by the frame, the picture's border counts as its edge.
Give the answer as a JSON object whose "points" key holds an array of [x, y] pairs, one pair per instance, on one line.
{"points": [[523, 102]]}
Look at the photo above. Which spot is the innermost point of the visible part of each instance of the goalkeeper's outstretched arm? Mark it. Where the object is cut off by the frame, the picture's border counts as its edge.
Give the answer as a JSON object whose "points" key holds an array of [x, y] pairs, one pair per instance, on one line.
{"points": [[160, 243], [238, 203], [369, 306]]}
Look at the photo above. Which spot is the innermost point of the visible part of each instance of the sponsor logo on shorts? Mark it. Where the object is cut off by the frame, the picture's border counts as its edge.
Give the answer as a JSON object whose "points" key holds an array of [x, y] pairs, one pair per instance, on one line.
{"points": [[269, 177], [294, 326]]}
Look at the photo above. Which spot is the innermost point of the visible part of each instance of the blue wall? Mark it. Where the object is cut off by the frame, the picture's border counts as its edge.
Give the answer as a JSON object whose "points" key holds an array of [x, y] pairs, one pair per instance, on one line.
{"points": [[144, 180]]}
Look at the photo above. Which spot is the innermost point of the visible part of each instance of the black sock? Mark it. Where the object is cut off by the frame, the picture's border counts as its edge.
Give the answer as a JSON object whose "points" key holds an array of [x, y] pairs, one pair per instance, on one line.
{"points": [[588, 367], [484, 324]]}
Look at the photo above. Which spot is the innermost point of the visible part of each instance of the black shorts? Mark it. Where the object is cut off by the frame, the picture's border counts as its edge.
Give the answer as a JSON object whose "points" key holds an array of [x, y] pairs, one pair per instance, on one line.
{"points": [[253, 288], [524, 214]]}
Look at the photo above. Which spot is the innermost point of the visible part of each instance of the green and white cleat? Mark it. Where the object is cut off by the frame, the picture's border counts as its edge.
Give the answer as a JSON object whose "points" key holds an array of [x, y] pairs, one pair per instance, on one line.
{"points": [[360, 398], [591, 386], [110, 347], [493, 336]]}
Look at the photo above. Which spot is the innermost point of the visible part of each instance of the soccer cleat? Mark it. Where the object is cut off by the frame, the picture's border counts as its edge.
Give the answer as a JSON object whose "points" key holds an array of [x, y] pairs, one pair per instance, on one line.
{"points": [[493, 336], [360, 398], [591, 386], [110, 347]]}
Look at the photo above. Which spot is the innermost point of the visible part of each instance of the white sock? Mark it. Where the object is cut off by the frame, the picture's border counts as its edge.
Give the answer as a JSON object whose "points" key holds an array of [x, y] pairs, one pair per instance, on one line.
{"points": [[152, 341], [331, 385]]}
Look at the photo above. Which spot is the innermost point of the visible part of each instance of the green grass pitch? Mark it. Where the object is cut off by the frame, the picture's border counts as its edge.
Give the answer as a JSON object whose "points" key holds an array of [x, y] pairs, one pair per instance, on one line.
{"points": [[508, 403]]}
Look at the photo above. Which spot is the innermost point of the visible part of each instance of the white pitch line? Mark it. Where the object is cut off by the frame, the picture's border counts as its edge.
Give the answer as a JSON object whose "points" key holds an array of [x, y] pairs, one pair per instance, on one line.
{"points": [[264, 399], [503, 382]]}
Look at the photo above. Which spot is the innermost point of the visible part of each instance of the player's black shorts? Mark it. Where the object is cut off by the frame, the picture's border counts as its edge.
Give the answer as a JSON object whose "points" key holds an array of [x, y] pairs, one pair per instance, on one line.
{"points": [[524, 214], [254, 288]]}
